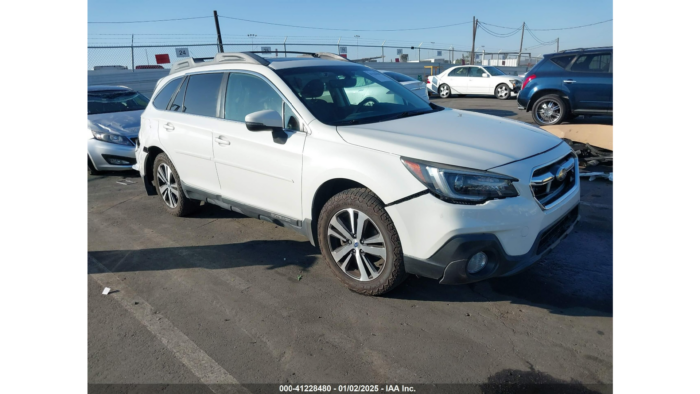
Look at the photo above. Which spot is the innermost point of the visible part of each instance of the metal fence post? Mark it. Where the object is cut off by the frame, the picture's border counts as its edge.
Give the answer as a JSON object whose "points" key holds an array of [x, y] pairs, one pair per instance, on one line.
{"points": [[383, 51], [132, 53], [285, 46]]}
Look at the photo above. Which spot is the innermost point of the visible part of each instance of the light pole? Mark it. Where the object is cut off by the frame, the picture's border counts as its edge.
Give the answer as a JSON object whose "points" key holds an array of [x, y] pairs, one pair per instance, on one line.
{"points": [[357, 46], [252, 39]]}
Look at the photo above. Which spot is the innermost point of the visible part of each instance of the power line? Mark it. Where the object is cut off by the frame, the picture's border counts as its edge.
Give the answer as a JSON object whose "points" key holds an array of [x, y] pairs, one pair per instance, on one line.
{"points": [[160, 20], [499, 35], [338, 29], [558, 28]]}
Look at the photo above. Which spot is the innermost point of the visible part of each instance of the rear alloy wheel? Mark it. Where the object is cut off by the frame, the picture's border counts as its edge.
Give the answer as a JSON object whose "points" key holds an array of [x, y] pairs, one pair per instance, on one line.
{"points": [[444, 91], [359, 242], [502, 92], [549, 110], [168, 185]]}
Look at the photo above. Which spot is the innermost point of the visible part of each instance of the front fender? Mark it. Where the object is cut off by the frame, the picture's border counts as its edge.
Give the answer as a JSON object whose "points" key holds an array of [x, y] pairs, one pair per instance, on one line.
{"points": [[332, 158]]}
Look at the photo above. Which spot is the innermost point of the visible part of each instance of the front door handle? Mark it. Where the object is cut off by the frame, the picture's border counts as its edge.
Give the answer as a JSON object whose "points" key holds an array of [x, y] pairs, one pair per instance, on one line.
{"points": [[222, 141], [569, 81], [169, 127]]}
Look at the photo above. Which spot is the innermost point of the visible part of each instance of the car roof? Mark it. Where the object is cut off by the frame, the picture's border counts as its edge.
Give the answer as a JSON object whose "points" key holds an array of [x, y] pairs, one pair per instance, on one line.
{"points": [[581, 50], [100, 88], [281, 64]]}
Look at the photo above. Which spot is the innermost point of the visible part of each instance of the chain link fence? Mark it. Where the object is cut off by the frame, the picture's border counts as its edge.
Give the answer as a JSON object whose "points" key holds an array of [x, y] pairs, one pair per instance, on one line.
{"points": [[151, 56]]}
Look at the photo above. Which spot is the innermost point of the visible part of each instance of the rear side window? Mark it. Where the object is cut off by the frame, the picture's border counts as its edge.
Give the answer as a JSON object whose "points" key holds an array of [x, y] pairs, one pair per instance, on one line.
{"points": [[562, 61], [246, 94], [161, 101], [202, 95], [459, 72], [179, 98], [599, 63]]}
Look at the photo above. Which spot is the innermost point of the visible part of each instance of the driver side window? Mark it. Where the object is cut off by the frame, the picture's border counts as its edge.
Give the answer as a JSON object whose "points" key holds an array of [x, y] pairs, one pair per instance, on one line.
{"points": [[475, 72], [246, 94]]}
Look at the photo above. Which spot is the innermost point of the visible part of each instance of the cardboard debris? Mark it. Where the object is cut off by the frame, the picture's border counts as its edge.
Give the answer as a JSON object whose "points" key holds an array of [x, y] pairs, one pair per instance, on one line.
{"points": [[594, 134]]}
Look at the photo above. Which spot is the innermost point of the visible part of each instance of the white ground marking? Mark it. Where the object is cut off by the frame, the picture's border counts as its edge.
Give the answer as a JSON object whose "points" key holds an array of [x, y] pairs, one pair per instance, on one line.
{"points": [[194, 358]]}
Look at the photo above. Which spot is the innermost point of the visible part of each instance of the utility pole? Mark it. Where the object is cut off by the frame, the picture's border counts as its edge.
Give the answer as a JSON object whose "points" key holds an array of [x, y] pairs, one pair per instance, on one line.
{"points": [[357, 46], [522, 35], [218, 33], [557, 44], [474, 23]]}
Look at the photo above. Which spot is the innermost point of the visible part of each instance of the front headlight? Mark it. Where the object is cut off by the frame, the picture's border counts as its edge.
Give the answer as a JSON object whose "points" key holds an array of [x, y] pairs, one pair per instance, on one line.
{"points": [[515, 82], [461, 185], [110, 137]]}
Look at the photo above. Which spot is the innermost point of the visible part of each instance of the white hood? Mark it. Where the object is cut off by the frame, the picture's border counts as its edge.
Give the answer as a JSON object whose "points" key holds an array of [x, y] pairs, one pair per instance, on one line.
{"points": [[460, 138], [126, 123]]}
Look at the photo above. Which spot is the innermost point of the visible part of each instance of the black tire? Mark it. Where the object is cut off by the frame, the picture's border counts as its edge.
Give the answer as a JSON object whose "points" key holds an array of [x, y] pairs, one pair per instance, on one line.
{"points": [[183, 206], [392, 272], [543, 103], [444, 91], [505, 89], [91, 168]]}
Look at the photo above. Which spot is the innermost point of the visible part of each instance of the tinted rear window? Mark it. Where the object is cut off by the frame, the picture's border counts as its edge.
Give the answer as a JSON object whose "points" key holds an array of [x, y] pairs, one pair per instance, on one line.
{"points": [[562, 61], [161, 101], [202, 94]]}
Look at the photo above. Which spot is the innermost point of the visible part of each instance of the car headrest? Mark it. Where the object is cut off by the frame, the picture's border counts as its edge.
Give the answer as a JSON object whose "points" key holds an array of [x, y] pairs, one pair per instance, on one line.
{"points": [[312, 89]]}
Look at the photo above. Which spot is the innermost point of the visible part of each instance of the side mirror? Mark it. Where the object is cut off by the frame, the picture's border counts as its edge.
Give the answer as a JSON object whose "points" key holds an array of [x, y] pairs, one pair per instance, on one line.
{"points": [[265, 120], [484, 75]]}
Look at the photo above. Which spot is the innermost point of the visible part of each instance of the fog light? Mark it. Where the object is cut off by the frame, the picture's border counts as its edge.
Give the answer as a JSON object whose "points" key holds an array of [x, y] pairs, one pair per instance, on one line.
{"points": [[477, 262]]}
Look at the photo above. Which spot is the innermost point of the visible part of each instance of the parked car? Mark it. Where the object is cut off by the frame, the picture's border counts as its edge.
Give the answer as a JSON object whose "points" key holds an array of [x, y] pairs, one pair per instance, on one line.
{"points": [[114, 120], [384, 187], [474, 80], [567, 84], [412, 84], [97, 68]]}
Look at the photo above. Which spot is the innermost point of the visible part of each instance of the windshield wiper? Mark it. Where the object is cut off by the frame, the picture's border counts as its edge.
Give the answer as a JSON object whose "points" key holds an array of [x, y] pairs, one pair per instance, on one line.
{"points": [[407, 114]]}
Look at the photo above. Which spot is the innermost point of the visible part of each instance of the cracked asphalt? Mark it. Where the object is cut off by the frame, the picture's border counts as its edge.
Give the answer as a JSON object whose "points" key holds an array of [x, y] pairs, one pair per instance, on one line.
{"points": [[217, 298]]}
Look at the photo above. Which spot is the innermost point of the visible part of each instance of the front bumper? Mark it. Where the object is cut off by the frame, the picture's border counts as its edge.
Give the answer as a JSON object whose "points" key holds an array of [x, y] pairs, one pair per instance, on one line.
{"points": [[100, 152], [449, 263]]}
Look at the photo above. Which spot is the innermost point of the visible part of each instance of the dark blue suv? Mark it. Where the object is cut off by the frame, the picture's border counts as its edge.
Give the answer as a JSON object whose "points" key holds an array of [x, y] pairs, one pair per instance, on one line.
{"points": [[566, 84]]}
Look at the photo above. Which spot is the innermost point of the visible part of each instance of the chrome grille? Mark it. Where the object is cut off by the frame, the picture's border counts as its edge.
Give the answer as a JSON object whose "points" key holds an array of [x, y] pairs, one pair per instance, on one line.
{"points": [[551, 182]]}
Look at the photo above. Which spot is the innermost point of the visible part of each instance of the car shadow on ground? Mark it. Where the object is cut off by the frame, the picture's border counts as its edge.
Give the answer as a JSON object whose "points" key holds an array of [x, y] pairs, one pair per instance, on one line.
{"points": [[553, 284]]}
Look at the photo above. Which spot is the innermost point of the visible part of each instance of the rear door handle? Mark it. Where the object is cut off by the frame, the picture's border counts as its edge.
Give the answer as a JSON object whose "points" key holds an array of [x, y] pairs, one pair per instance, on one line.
{"points": [[569, 81], [222, 141], [169, 127]]}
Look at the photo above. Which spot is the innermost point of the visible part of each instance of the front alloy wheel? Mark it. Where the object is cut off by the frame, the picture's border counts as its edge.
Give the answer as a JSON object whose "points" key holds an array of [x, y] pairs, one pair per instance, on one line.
{"points": [[356, 244], [360, 243], [502, 92]]}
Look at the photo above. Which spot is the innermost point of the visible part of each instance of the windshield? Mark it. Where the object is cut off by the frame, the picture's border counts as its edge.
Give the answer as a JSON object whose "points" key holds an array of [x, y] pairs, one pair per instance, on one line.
{"points": [[103, 102], [344, 95], [494, 71]]}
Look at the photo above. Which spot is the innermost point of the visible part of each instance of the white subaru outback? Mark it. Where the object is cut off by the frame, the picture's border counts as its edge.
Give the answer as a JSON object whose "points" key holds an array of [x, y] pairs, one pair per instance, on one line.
{"points": [[387, 185]]}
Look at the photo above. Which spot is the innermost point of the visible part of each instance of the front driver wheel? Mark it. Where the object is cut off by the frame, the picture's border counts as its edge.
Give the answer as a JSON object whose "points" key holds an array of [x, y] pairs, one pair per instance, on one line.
{"points": [[359, 242], [502, 92], [444, 91], [169, 187]]}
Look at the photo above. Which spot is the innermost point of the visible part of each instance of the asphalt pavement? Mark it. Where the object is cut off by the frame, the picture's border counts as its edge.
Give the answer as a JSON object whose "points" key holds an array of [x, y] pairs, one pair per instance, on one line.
{"points": [[218, 298]]}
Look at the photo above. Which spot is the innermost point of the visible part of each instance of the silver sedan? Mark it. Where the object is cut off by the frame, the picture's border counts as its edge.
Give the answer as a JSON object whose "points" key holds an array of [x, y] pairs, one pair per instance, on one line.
{"points": [[114, 120]]}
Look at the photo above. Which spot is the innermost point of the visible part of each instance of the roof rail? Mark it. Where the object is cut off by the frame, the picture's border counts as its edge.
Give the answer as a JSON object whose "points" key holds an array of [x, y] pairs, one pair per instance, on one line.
{"points": [[231, 57], [244, 57], [583, 49]]}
